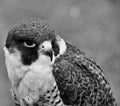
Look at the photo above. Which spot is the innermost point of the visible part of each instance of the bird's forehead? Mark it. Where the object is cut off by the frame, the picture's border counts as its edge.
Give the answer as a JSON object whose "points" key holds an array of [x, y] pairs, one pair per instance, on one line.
{"points": [[33, 29], [31, 34]]}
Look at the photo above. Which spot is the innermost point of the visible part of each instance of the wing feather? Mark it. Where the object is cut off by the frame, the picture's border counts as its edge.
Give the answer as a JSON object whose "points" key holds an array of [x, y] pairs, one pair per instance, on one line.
{"points": [[81, 81]]}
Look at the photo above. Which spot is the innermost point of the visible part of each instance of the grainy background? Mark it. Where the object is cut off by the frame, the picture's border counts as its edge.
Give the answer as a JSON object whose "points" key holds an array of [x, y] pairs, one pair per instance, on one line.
{"points": [[91, 25]]}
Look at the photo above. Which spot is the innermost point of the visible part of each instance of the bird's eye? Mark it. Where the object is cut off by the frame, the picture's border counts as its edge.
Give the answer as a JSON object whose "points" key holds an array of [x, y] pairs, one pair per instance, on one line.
{"points": [[29, 44]]}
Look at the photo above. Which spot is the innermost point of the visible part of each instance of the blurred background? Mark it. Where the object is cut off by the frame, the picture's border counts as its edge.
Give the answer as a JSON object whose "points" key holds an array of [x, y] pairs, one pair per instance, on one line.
{"points": [[91, 25]]}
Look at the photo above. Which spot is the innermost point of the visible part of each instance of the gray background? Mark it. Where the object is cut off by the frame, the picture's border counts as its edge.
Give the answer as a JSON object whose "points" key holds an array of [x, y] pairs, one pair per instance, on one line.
{"points": [[91, 25]]}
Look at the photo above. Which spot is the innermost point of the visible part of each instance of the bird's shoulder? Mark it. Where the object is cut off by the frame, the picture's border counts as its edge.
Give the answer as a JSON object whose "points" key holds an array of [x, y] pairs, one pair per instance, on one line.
{"points": [[78, 76], [75, 62]]}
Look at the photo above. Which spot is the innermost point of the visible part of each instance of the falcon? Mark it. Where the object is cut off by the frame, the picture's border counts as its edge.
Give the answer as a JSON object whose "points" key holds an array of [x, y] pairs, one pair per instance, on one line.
{"points": [[45, 70]]}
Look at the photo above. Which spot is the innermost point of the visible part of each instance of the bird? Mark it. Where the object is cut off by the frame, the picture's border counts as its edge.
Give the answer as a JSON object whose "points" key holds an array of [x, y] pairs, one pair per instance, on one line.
{"points": [[46, 70]]}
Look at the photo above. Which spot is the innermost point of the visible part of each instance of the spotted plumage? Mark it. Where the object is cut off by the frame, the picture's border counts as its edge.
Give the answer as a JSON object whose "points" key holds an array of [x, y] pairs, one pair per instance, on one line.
{"points": [[81, 81], [44, 70]]}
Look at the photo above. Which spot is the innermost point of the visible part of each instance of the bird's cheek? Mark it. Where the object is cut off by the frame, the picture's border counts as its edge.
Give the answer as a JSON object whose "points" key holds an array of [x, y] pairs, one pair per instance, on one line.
{"points": [[13, 58]]}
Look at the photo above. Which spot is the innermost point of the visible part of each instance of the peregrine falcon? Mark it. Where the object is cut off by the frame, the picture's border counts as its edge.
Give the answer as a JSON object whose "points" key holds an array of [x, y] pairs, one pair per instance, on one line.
{"points": [[46, 70]]}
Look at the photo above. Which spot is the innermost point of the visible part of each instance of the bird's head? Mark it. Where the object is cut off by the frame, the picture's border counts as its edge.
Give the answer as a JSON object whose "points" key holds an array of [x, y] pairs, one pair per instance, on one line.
{"points": [[33, 41]]}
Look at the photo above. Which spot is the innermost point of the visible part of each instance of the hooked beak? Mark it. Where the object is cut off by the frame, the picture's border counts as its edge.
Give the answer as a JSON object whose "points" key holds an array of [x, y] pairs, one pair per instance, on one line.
{"points": [[49, 53]]}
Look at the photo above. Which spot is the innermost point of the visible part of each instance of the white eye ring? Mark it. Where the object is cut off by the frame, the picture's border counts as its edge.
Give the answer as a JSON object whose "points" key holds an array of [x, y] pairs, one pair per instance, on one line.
{"points": [[29, 44]]}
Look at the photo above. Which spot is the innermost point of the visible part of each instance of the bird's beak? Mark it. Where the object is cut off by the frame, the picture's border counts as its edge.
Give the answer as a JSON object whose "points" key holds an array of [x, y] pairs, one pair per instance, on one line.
{"points": [[49, 53]]}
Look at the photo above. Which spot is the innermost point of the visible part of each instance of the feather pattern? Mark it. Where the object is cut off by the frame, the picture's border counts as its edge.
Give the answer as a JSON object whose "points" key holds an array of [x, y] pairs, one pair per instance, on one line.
{"points": [[81, 81]]}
